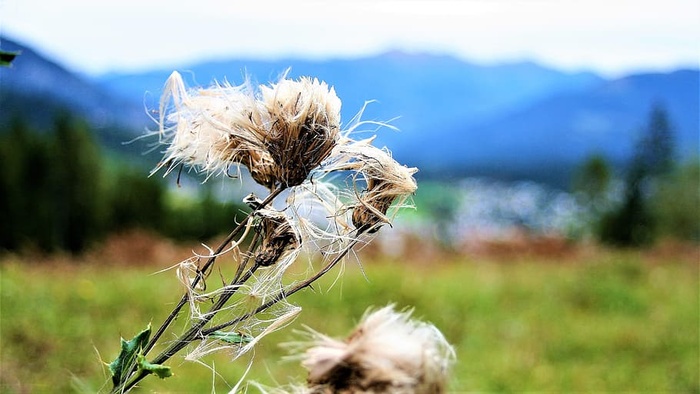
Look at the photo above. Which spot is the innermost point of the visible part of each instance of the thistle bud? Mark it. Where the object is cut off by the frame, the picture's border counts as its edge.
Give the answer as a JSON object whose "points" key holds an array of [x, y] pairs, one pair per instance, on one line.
{"points": [[278, 237]]}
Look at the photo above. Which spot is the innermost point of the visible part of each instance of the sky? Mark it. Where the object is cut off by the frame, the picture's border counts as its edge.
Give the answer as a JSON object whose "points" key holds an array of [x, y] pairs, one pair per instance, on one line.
{"points": [[611, 37]]}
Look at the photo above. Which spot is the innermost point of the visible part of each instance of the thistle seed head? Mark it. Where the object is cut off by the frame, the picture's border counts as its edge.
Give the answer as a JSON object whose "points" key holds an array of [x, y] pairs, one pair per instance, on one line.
{"points": [[278, 237], [213, 129], [388, 352], [303, 126], [387, 181], [280, 134], [385, 186]]}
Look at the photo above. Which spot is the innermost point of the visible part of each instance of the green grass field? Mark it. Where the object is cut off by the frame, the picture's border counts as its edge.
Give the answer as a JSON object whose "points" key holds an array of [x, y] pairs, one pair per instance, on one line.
{"points": [[609, 322]]}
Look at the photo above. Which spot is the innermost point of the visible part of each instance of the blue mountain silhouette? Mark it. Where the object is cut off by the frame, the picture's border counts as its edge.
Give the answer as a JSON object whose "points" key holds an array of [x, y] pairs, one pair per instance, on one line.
{"points": [[455, 118]]}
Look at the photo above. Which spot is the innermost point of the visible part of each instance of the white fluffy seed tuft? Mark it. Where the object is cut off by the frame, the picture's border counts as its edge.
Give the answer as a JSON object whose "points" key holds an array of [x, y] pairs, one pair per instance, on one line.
{"points": [[388, 352]]}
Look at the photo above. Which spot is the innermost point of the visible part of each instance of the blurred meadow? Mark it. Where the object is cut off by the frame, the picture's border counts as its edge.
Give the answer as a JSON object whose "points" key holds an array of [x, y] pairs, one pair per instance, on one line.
{"points": [[555, 239], [587, 320], [539, 289]]}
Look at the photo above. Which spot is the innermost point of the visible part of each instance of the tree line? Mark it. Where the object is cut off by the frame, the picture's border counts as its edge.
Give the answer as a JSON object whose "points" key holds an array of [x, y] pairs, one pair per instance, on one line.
{"points": [[60, 191], [655, 196]]}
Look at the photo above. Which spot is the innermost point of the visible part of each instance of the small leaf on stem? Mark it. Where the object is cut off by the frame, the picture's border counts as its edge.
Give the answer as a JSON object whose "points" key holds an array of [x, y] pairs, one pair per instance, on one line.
{"points": [[159, 370], [127, 356]]}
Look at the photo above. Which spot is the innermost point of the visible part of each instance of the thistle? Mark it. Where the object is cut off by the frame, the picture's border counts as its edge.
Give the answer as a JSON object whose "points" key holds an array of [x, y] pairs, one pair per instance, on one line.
{"points": [[278, 237], [387, 181], [284, 134], [303, 126], [280, 134], [387, 353], [212, 129]]}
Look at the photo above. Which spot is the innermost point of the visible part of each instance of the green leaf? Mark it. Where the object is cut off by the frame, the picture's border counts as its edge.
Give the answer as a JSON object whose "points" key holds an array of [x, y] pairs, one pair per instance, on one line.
{"points": [[6, 58], [130, 350], [159, 369], [231, 337]]}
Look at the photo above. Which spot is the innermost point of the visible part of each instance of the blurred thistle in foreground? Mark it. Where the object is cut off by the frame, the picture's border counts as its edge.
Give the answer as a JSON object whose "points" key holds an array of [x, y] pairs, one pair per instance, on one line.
{"points": [[388, 352], [288, 136]]}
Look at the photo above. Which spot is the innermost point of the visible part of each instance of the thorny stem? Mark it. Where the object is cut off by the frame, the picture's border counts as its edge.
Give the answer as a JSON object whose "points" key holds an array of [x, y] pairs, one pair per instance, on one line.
{"points": [[202, 273], [195, 331], [286, 292]]}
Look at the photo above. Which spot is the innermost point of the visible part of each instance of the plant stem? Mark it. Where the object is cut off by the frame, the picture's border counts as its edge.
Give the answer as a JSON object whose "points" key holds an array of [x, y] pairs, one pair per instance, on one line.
{"points": [[196, 331], [202, 273], [286, 292]]}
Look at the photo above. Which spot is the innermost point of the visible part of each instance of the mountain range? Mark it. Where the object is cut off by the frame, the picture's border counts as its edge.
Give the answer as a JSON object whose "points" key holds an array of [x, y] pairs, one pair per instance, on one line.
{"points": [[455, 118]]}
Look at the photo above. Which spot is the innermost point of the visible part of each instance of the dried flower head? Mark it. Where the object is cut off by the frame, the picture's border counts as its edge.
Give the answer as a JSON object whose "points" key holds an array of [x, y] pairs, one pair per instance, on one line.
{"points": [[303, 126], [278, 237], [388, 352], [279, 136], [387, 181], [213, 129]]}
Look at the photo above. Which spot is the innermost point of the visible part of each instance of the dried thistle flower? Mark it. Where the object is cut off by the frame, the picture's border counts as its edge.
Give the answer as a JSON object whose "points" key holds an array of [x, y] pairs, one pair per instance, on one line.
{"points": [[280, 137], [388, 352], [304, 126], [387, 181], [213, 129], [286, 133], [278, 237]]}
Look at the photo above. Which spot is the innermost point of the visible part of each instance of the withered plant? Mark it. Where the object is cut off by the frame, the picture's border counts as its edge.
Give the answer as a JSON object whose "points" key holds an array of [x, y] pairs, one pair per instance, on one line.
{"points": [[326, 193]]}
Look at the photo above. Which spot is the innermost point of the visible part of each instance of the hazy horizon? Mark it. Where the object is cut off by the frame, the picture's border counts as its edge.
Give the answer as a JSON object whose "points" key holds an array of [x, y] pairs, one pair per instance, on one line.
{"points": [[610, 39]]}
